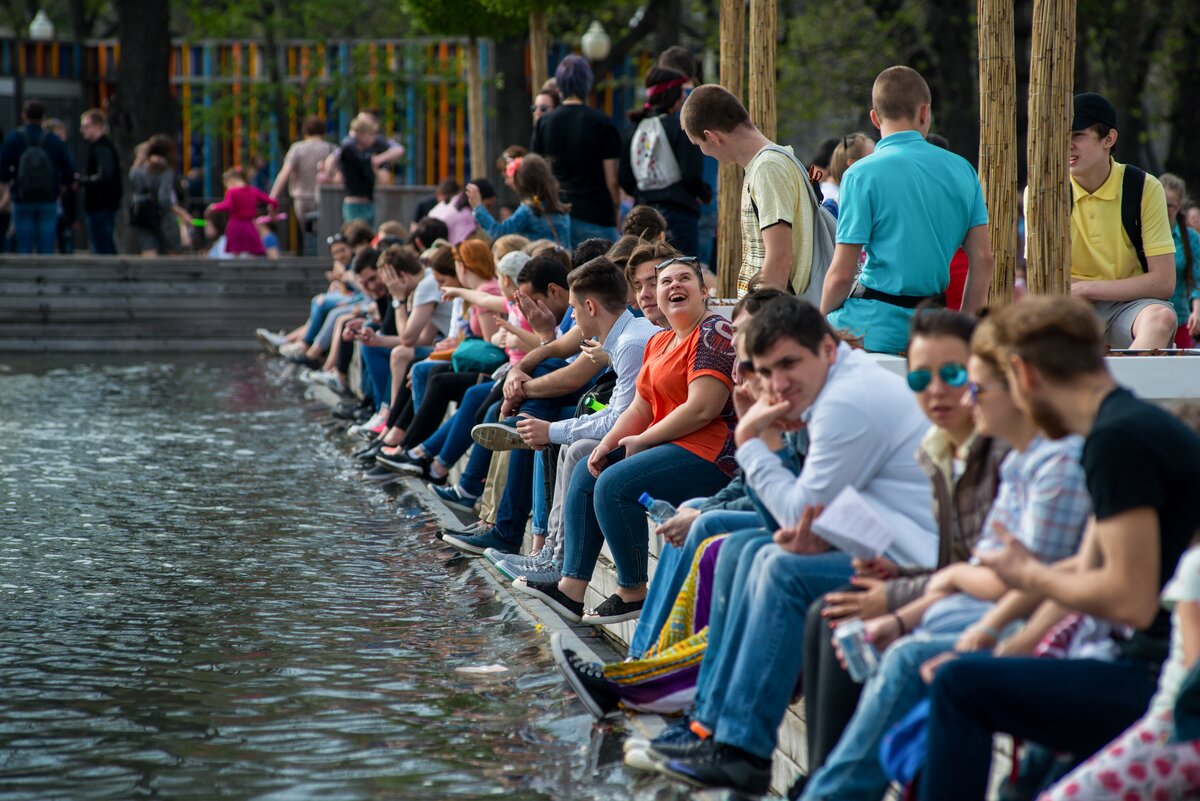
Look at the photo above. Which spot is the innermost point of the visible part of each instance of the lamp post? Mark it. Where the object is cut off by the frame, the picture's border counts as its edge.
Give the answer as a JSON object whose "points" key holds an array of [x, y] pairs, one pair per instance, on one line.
{"points": [[41, 29], [595, 43]]}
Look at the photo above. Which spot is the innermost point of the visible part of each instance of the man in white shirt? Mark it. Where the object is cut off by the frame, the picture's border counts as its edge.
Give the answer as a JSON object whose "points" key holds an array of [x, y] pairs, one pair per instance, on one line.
{"points": [[864, 427]]}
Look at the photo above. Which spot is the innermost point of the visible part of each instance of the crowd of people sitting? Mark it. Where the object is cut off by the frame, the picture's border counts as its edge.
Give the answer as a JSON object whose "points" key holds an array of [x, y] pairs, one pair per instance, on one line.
{"points": [[999, 542]]}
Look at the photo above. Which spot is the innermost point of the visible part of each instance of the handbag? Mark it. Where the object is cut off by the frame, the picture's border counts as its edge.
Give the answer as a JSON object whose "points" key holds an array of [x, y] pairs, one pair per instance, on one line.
{"points": [[144, 211], [474, 355]]}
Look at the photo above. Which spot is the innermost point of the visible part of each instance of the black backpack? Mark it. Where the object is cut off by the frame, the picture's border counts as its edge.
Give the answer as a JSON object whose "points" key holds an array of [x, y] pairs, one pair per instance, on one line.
{"points": [[35, 174]]}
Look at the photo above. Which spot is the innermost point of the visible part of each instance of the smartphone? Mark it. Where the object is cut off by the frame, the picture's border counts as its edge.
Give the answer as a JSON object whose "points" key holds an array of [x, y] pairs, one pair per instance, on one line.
{"points": [[614, 456]]}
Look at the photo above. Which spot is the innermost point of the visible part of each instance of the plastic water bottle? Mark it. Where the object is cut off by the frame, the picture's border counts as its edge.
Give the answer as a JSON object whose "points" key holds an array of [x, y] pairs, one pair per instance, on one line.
{"points": [[658, 511]]}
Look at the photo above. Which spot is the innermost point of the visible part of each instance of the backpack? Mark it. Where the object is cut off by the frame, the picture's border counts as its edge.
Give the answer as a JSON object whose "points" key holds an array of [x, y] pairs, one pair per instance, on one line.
{"points": [[824, 236], [652, 158], [144, 211], [35, 174]]}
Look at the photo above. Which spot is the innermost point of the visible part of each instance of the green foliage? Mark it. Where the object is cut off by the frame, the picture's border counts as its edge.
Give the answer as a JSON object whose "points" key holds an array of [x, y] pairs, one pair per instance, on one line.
{"points": [[469, 18]]}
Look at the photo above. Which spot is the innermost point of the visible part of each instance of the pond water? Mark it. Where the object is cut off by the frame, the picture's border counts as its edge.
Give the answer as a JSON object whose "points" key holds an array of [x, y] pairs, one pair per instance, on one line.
{"points": [[199, 599]]}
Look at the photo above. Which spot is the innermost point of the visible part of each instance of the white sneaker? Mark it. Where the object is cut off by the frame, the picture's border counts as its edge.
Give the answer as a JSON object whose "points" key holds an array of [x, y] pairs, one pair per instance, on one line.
{"points": [[328, 380], [293, 349], [365, 430], [270, 340]]}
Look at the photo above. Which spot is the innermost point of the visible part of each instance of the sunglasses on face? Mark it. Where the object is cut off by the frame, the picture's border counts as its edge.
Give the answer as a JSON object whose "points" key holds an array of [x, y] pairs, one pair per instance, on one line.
{"points": [[952, 375], [536, 108], [978, 389], [676, 260]]}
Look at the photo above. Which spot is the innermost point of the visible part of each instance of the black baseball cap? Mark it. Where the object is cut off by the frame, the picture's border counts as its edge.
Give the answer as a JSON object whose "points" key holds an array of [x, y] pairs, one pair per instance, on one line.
{"points": [[1092, 109]]}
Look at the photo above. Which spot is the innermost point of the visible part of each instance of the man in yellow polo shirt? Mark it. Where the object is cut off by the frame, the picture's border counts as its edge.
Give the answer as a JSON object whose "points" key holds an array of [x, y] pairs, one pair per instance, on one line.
{"points": [[1130, 292]]}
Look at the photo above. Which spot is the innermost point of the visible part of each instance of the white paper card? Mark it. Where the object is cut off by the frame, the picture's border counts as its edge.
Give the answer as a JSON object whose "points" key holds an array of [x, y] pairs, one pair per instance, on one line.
{"points": [[852, 525]]}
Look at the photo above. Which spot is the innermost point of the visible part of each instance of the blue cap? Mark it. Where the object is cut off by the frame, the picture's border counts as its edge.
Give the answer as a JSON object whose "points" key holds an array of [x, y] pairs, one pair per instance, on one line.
{"points": [[644, 499]]}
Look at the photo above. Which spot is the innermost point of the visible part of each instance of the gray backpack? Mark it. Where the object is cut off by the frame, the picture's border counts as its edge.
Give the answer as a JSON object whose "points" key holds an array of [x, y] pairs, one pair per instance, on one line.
{"points": [[824, 236]]}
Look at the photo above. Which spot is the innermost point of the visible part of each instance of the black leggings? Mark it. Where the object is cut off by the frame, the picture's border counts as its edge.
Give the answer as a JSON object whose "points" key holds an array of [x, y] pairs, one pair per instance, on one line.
{"points": [[830, 697], [442, 389]]}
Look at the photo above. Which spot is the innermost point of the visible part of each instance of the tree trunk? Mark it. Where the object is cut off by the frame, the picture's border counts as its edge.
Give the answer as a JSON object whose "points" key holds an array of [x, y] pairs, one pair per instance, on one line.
{"points": [[1048, 217], [539, 50], [1184, 117], [763, 16], [947, 65], [143, 105], [475, 117], [998, 144], [729, 178]]}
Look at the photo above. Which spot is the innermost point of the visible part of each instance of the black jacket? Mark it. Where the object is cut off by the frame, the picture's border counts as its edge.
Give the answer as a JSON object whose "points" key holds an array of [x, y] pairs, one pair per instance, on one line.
{"points": [[102, 179]]}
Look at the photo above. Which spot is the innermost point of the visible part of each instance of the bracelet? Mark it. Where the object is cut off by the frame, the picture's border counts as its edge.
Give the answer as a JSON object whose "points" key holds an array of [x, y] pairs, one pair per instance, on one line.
{"points": [[991, 632], [900, 622]]}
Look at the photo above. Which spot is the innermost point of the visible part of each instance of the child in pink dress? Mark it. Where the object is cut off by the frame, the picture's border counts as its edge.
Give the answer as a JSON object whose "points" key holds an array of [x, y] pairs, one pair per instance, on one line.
{"points": [[241, 203]]}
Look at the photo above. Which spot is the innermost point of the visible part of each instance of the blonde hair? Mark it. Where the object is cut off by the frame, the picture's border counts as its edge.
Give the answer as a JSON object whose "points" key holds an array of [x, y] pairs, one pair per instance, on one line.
{"points": [[851, 148], [508, 244]]}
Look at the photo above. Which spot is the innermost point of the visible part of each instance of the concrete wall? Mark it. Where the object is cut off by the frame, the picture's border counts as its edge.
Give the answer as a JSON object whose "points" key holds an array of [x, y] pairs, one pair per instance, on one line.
{"points": [[132, 304]]}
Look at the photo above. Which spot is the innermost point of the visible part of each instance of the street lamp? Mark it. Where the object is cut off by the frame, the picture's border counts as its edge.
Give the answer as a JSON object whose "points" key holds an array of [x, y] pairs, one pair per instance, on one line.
{"points": [[596, 44], [41, 29]]}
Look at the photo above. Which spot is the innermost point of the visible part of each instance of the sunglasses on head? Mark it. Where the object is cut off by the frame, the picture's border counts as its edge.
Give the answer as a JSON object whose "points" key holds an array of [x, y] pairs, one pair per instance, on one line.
{"points": [[952, 375], [676, 260], [332, 240]]}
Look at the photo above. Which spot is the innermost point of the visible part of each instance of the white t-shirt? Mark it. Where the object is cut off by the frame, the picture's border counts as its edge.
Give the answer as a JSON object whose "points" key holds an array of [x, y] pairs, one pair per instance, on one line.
{"points": [[1184, 586], [428, 291]]}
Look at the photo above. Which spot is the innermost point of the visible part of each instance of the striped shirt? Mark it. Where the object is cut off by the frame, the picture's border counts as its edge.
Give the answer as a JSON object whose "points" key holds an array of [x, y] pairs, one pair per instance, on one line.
{"points": [[1043, 499]]}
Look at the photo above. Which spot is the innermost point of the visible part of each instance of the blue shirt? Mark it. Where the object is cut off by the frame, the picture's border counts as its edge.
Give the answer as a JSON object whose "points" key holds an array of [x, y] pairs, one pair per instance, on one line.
{"points": [[1181, 300], [910, 205], [555, 227]]}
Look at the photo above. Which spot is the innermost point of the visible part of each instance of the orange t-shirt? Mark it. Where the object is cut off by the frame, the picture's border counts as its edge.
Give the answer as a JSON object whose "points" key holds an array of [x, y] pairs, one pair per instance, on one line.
{"points": [[667, 372]]}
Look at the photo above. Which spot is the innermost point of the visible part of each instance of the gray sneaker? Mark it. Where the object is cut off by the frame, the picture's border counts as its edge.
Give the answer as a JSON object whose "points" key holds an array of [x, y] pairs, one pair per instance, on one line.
{"points": [[517, 560], [541, 574]]}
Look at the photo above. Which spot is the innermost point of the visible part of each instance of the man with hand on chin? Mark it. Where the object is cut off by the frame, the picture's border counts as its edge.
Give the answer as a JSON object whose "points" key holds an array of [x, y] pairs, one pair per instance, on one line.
{"points": [[864, 427]]}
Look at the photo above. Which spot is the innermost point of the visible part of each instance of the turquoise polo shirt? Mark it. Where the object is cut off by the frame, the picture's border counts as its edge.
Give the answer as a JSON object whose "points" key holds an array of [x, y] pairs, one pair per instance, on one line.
{"points": [[909, 205]]}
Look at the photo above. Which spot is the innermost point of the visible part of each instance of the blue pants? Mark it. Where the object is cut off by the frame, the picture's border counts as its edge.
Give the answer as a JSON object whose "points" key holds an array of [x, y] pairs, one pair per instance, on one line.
{"points": [[475, 473], [324, 339], [582, 229], [377, 362], [421, 372], [318, 309], [606, 509], [36, 226], [673, 567], [453, 437], [100, 231], [757, 658], [1075, 706]]}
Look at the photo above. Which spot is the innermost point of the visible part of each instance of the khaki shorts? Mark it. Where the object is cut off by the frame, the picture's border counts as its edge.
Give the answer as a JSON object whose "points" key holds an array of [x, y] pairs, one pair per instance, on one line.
{"points": [[1118, 316]]}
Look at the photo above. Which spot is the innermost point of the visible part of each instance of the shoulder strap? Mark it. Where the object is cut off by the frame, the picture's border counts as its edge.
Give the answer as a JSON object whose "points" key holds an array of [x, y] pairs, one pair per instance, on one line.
{"points": [[1132, 187], [804, 179]]}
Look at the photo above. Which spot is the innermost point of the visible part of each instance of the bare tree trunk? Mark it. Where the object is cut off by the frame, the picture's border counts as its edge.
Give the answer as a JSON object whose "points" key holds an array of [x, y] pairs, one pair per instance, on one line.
{"points": [[729, 178], [1048, 217], [539, 50], [475, 120], [143, 105], [763, 15], [1185, 111], [998, 143]]}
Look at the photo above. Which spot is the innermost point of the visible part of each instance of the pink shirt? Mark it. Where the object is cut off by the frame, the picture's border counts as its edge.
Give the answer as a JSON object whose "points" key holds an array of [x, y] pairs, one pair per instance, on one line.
{"points": [[459, 222]]}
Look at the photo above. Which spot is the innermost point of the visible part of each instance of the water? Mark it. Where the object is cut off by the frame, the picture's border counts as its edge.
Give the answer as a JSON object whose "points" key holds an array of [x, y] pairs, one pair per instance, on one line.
{"points": [[198, 599]]}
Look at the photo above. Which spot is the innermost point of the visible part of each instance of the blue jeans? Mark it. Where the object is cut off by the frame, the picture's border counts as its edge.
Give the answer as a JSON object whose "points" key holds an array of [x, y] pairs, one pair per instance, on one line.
{"points": [[1076, 706], [324, 339], [377, 362], [36, 226], [420, 372], [358, 211], [453, 437], [318, 309], [582, 229], [853, 771], [100, 231], [683, 228], [674, 563], [475, 473], [541, 512], [757, 662], [605, 509]]}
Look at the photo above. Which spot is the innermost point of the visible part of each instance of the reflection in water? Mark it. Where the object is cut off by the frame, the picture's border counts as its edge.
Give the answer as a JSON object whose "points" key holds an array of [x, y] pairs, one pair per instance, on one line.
{"points": [[198, 599]]}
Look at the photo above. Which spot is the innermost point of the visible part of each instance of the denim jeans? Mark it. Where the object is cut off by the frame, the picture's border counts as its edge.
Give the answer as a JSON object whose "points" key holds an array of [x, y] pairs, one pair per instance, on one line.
{"points": [[853, 771], [421, 373], [36, 226], [540, 513], [100, 225], [1076, 706], [582, 229], [674, 563], [318, 309], [453, 437], [568, 456], [324, 339], [761, 652], [377, 363], [607, 510], [358, 211], [683, 228], [480, 460]]}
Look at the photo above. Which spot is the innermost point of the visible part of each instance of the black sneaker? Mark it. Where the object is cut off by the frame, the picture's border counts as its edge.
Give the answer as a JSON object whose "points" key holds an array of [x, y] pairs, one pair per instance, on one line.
{"points": [[348, 410], [723, 767], [553, 597], [368, 451], [613, 610], [597, 693], [400, 460], [380, 474], [797, 789], [684, 746], [301, 359]]}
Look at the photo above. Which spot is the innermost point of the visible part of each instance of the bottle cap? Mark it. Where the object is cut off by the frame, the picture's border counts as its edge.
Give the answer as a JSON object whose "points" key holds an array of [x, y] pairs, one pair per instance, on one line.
{"points": [[644, 499]]}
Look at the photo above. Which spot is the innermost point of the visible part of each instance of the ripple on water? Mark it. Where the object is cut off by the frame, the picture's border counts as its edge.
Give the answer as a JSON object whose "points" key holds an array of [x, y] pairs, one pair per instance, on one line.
{"points": [[197, 600]]}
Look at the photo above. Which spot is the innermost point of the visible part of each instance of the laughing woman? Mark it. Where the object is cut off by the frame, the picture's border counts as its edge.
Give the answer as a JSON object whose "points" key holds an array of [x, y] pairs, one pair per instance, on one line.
{"points": [[677, 443]]}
